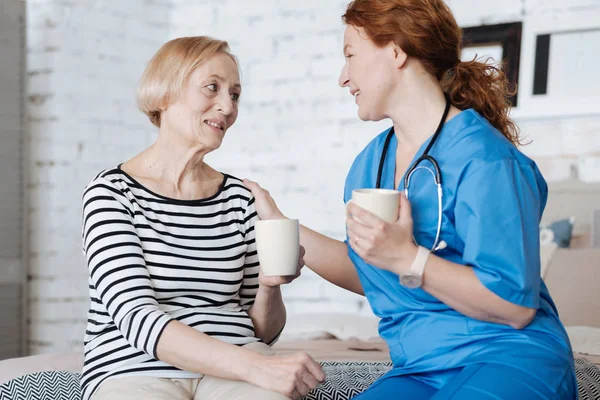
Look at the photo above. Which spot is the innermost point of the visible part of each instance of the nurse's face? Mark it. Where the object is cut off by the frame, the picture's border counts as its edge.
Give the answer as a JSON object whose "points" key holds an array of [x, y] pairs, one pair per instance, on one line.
{"points": [[369, 72]]}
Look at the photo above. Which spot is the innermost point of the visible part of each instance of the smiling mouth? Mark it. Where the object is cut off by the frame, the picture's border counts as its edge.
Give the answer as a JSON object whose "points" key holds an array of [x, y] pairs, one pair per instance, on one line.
{"points": [[214, 124]]}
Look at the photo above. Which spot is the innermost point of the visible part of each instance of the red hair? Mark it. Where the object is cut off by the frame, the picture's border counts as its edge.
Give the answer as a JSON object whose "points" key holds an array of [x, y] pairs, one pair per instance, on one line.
{"points": [[427, 30]]}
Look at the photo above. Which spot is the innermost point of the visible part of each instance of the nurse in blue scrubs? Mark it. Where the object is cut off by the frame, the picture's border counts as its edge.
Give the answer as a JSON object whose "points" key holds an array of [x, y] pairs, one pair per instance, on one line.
{"points": [[456, 280]]}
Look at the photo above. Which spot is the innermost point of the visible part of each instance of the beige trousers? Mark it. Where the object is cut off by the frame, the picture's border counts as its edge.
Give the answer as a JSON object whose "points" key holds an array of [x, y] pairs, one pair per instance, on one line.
{"points": [[205, 388]]}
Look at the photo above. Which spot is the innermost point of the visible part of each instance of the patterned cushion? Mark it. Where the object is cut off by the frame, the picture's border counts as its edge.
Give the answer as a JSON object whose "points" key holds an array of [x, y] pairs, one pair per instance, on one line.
{"points": [[588, 379], [347, 379], [344, 380], [47, 385]]}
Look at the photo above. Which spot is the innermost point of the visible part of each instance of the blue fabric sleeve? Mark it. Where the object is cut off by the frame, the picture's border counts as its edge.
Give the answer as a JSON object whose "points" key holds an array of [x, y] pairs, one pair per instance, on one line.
{"points": [[497, 215]]}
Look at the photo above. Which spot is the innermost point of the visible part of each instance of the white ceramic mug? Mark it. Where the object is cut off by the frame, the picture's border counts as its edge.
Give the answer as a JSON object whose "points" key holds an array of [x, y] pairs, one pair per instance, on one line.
{"points": [[278, 246], [384, 203]]}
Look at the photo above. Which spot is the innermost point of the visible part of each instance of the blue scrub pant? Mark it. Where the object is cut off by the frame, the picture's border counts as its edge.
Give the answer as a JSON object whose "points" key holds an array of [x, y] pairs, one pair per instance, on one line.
{"points": [[477, 381]]}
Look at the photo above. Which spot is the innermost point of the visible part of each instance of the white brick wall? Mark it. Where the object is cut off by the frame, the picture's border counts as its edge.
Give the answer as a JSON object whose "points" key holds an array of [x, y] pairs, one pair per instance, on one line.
{"points": [[84, 60], [297, 133]]}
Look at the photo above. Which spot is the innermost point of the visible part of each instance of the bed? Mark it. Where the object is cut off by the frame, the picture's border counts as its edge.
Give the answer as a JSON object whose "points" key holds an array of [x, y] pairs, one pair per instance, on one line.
{"points": [[351, 366]]}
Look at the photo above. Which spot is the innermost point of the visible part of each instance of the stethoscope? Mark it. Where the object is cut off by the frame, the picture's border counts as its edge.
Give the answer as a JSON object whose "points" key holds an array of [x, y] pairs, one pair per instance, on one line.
{"points": [[437, 175]]}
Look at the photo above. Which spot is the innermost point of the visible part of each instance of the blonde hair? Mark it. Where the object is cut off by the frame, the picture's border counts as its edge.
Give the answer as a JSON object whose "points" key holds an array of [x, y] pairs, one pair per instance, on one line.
{"points": [[169, 69]]}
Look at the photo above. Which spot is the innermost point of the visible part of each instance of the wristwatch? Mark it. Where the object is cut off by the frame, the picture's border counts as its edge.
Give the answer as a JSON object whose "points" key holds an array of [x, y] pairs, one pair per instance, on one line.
{"points": [[413, 279]]}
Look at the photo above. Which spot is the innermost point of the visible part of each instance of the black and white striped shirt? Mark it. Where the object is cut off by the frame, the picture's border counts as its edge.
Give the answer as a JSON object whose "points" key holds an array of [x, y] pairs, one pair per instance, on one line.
{"points": [[153, 259]]}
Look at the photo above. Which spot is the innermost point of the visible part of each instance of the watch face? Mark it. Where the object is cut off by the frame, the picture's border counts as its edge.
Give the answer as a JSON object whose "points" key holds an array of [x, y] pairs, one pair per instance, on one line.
{"points": [[411, 281]]}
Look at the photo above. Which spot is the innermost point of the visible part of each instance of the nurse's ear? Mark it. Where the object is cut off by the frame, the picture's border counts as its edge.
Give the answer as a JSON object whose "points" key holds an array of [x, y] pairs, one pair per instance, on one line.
{"points": [[398, 55]]}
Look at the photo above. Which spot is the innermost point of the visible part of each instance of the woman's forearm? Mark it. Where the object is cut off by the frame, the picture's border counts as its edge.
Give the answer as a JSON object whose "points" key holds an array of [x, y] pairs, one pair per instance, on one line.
{"points": [[191, 350], [268, 313], [457, 286], [329, 259]]}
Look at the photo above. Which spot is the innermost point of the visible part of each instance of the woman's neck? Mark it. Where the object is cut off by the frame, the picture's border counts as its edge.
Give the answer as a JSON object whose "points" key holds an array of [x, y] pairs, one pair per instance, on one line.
{"points": [[417, 110], [176, 168]]}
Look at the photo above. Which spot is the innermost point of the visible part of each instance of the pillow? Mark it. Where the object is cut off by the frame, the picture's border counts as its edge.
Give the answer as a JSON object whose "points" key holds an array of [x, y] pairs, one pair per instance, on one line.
{"points": [[546, 253], [558, 232], [584, 339], [345, 380], [55, 385], [15, 367]]}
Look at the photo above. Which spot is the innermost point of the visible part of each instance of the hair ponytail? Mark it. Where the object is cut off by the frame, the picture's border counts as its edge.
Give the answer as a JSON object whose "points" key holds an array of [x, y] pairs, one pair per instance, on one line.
{"points": [[479, 85]]}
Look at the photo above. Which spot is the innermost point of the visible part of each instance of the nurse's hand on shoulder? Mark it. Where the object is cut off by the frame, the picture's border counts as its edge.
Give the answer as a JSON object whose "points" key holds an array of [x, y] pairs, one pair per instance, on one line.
{"points": [[388, 246], [265, 205]]}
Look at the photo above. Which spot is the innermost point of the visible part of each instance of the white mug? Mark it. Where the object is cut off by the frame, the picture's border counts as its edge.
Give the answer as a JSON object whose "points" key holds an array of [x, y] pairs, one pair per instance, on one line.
{"points": [[278, 246], [384, 203]]}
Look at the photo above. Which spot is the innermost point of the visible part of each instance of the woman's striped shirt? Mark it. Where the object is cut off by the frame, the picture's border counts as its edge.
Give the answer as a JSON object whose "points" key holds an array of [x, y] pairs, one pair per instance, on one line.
{"points": [[152, 260]]}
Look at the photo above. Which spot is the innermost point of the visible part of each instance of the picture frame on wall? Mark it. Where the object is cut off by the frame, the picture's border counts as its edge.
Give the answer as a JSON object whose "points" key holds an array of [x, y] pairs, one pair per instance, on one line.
{"points": [[559, 66], [551, 59], [501, 44]]}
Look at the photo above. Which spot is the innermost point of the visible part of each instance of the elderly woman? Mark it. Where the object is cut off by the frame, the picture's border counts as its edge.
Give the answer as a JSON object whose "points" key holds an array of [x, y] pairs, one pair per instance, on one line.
{"points": [[179, 309]]}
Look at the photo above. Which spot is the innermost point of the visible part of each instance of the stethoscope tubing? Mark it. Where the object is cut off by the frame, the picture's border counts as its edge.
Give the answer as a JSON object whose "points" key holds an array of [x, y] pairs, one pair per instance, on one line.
{"points": [[437, 173]]}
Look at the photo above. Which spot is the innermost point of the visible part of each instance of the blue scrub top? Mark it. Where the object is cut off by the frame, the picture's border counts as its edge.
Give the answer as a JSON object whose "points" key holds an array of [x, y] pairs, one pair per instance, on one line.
{"points": [[493, 199]]}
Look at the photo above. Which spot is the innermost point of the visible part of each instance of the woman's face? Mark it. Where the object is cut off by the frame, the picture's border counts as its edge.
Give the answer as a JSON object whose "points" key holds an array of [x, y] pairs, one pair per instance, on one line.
{"points": [[208, 103], [369, 73]]}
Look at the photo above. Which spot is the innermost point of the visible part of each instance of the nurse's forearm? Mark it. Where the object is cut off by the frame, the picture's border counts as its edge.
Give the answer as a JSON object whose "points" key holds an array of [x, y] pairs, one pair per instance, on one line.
{"points": [[329, 259], [457, 286]]}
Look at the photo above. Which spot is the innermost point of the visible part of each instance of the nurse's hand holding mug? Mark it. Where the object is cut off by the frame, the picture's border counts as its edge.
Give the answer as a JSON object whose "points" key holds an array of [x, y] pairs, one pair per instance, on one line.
{"points": [[380, 228]]}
